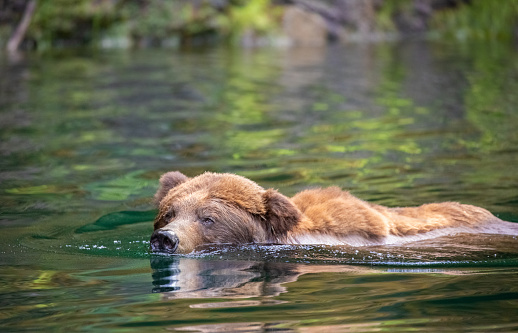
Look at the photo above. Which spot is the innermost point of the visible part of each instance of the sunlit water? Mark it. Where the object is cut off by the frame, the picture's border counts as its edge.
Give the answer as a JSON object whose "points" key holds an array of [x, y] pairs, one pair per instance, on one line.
{"points": [[85, 137]]}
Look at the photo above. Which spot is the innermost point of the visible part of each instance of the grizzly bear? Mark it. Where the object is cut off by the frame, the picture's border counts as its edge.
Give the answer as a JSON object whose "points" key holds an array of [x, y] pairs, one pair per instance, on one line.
{"points": [[223, 208]]}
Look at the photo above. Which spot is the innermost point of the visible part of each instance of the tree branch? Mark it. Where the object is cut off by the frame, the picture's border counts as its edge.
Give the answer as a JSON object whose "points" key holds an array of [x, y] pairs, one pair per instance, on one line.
{"points": [[21, 29]]}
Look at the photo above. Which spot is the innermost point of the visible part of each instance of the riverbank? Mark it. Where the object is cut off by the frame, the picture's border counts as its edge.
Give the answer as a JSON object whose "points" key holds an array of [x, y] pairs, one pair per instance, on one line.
{"points": [[43, 25]]}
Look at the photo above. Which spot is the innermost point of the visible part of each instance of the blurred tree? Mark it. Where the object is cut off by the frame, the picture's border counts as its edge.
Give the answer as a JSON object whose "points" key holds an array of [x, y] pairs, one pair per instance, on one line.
{"points": [[61, 23], [480, 19], [64, 22]]}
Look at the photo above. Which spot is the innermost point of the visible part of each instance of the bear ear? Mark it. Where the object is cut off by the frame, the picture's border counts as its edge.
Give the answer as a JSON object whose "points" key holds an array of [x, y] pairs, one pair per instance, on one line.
{"points": [[281, 215], [167, 182]]}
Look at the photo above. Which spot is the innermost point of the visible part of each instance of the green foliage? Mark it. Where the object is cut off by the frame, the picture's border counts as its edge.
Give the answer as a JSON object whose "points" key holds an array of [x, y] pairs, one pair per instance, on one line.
{"points": [[163, 19], [86, 22], [390, 8], [250, 18], [481, 19], [76, 22], [161, 22]]}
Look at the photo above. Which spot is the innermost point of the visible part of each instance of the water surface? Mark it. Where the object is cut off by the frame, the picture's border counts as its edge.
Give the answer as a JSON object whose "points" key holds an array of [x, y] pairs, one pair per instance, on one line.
{"points": [[85, 136]]}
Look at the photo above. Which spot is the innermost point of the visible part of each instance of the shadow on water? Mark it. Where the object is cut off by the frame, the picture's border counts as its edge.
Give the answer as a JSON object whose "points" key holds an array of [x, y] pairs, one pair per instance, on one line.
{"points": [[113, 220]]}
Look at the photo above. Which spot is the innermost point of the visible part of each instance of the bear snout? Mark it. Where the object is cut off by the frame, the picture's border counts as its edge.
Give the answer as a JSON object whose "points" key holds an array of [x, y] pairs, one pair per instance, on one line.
{"points": [[164, 241]]}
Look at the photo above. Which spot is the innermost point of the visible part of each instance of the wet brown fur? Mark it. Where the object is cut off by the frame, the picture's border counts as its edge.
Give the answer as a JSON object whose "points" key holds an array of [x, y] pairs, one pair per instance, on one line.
{"points": [[240, 211]]}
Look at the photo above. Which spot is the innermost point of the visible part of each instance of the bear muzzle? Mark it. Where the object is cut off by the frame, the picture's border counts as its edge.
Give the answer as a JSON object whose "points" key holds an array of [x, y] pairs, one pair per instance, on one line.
{"points": [[164, 241]]}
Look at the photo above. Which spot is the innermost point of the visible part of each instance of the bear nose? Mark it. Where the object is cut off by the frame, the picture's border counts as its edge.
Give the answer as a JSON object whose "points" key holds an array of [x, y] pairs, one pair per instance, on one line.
{"points": [[164, 241]]}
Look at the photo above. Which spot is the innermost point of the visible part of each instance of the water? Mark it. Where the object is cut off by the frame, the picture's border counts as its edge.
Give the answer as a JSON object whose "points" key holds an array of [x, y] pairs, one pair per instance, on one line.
{"points": [[84, 138]]}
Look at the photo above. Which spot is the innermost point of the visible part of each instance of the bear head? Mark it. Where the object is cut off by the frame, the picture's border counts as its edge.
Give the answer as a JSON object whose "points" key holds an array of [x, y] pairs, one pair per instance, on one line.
{"points": [[218, 208]]}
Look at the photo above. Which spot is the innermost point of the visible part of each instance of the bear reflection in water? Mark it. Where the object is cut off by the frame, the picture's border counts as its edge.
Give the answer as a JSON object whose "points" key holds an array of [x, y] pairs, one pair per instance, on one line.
{"points": [[198, 278], [180, 277]]}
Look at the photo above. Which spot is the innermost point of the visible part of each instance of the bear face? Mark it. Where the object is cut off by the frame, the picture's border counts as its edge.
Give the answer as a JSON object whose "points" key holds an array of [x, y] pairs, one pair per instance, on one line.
{"points": [[218, 208]]}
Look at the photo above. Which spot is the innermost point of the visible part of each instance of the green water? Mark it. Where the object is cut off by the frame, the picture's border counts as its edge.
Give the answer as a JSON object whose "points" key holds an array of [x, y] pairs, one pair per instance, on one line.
{"points": [[84, 138]]}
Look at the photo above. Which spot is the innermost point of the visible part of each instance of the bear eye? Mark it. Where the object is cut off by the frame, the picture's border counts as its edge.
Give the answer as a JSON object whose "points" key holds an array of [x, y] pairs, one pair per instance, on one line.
{"points": [[207, 221], [169, 215]]}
